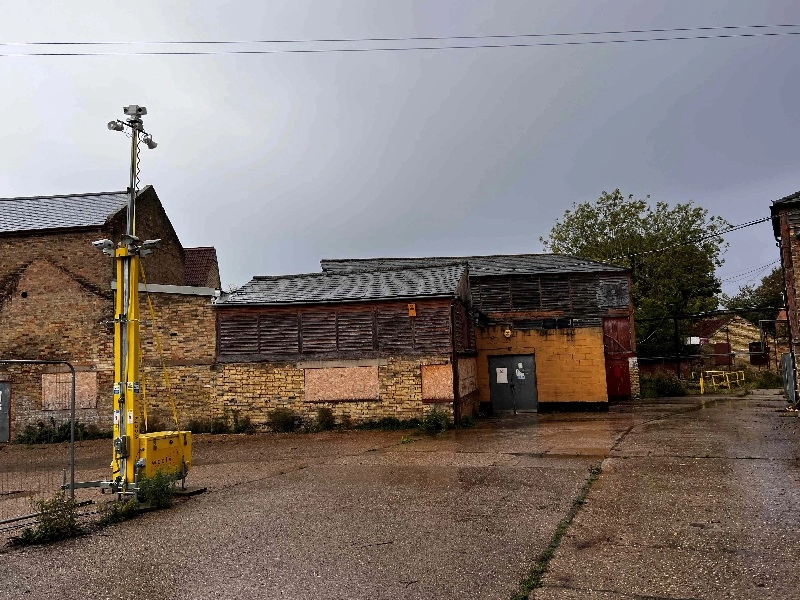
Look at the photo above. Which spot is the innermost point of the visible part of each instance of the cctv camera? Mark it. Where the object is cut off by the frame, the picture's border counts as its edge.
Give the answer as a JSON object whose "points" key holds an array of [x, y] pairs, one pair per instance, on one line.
{"points": [[134, 110], [114, 126], [103, 244]]}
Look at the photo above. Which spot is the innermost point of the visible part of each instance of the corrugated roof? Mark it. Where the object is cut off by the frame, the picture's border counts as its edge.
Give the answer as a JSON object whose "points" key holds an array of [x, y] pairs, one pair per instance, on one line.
{"points": [[200, 263], [378, 284], [497, 264], [59, 212]]}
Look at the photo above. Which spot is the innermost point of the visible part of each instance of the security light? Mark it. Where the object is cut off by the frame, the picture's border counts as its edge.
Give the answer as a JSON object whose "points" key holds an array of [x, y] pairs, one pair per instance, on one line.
{"points": [[115, 126], [107, 246], [149, 246], [148, 141]]}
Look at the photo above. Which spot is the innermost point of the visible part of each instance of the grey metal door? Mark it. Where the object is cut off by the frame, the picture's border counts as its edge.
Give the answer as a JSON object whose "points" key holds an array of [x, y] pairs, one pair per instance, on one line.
{"points": [[5, 406], [512, 382]]}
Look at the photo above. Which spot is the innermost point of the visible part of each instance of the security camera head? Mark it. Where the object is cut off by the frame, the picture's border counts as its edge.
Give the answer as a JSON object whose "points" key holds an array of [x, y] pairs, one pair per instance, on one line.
{"points": [[103, 244], [134, 110], [115, 126]]}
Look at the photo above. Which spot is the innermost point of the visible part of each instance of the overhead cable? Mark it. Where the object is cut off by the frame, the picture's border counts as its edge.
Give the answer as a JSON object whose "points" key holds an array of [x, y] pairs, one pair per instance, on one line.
{"points": [[399, 48], [402, 38], [695, 240]]}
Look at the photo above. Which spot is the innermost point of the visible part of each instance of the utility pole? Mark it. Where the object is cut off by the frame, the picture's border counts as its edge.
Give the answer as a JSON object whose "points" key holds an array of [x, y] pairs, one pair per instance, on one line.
{"points": [[127, 378]]}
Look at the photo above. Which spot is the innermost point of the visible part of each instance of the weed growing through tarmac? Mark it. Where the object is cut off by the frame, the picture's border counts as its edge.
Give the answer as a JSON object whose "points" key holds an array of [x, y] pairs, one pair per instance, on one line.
{"points": [[57, 520], [118, 511], [157, 491], [534, 578], [436, 421]]}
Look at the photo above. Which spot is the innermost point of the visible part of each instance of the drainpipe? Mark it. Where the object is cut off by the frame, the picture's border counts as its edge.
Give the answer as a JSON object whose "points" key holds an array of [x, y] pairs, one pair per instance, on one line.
{"points": [[454, 360]]}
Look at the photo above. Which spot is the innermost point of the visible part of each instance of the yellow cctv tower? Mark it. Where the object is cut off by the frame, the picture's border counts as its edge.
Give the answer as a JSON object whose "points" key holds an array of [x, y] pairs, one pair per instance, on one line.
{"points": [[135, 454]]}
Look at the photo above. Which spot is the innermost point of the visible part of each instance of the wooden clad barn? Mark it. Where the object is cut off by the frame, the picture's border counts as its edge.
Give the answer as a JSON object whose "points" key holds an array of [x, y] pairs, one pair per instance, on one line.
{"points": [[553, 331], [367, 344]]}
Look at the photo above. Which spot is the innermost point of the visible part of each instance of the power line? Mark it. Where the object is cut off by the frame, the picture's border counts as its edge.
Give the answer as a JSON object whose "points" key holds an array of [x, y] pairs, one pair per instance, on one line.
{"points": [[401, 48], [404, 38], [746, 273], [696, 240]]}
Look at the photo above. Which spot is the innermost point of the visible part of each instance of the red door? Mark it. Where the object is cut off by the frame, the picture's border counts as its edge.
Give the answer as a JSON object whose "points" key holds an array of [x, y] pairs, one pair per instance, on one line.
{"points": [[618, 346]]}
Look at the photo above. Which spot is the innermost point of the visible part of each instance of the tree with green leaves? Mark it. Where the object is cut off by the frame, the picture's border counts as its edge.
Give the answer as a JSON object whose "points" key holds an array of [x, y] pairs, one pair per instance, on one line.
{"points": [[764, 298], [672, 251]]}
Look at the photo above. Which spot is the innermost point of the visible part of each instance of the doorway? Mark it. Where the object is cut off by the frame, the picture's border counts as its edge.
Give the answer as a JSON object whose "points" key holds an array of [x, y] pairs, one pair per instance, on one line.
{"points": [[512, 382]]}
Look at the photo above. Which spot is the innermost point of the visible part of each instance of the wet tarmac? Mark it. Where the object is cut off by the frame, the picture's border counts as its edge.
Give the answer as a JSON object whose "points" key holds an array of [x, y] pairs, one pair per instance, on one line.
{"points": [[695, 499]]}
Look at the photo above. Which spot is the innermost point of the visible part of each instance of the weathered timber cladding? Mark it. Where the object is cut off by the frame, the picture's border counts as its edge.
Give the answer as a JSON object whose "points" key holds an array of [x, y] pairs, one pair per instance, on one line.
{"points": [[338, 331], [464, 328], [586, 298]]}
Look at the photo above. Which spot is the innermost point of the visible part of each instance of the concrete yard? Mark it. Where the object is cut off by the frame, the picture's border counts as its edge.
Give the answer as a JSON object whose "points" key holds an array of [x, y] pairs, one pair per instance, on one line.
{"points": [[696, 498]]}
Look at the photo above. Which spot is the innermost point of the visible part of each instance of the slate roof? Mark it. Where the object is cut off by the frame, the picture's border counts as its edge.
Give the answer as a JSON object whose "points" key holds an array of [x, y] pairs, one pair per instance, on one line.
{"points": [[201, 264], [59, 212], [382, 284], [497, 264], [788, 199]]}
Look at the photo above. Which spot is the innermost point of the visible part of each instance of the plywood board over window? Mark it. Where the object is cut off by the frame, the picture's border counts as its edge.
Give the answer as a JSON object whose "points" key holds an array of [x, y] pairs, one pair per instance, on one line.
{"points": [[437, 382], [340, 384], [56, 390]]}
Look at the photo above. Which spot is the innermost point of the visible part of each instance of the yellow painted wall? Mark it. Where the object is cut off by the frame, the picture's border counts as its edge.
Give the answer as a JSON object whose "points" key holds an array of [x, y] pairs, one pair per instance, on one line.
{"points": [[570, 363]]}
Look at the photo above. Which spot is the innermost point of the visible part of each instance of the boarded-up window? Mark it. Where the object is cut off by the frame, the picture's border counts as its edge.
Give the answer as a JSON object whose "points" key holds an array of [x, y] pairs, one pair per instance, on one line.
{"points": [[467, 376], [341, 384], [57, 389], [437, 382]]}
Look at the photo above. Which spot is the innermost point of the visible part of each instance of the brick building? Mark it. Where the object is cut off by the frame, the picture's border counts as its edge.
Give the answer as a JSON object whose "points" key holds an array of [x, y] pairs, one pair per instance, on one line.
{"points": [[786, 227], [56, 302], [552, 331], [369, 344]]}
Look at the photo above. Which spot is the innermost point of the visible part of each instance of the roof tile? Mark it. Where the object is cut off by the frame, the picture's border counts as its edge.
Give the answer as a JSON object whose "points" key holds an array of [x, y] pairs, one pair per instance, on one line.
{"points": [[379, 284], [59, 212]]}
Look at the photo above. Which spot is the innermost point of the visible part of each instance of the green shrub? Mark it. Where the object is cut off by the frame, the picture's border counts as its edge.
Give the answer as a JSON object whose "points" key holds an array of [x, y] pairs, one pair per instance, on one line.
{"points": [[325, 420], [52, 432], [467, 422], [118, 511], [661, 385], [57, 520], [215, 425], [436, 421], [157, 491], [765, 380], [242, 424], [283, 420]]}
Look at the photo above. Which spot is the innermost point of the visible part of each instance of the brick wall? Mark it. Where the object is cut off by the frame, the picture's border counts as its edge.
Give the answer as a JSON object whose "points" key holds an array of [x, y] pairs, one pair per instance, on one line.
{"points": [[633, 368], [570, 363], [254, 389]]}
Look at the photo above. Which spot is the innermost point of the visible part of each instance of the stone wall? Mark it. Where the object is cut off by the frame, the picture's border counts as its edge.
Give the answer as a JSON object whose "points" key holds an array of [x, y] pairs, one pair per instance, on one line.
{"points": [[633, 368]]}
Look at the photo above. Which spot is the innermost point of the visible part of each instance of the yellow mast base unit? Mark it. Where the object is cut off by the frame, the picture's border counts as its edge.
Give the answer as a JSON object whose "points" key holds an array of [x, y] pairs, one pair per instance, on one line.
{"points": [[168, 452]]}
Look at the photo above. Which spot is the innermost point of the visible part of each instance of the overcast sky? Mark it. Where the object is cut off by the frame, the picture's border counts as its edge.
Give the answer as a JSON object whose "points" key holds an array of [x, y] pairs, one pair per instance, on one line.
{"points": [[280, 160]]}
